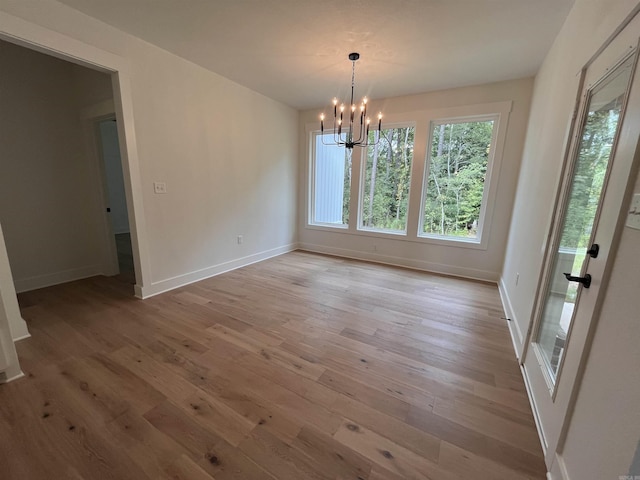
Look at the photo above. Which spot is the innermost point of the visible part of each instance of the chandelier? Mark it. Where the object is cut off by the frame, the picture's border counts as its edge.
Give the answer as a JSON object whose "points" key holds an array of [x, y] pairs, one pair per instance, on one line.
{"points": [[356, 134]]}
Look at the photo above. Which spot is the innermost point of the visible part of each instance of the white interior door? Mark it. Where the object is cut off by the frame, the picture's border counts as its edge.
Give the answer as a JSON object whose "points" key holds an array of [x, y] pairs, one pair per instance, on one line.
{"points": [[584, 232]]}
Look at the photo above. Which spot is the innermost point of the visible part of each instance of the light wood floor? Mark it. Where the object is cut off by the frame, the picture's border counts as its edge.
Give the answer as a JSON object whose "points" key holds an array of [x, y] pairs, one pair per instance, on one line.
{"points": [[299, 367]]}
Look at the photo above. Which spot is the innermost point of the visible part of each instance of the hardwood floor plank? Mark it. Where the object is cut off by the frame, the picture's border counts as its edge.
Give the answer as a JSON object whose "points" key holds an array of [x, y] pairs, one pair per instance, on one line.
{"points": [[388, 454], [489, 424], [186, 469], [154, 373], [216, 416], [467, 465], [337, 459], [273, 355], [271, 394], [280, 459], [477, 442], [417, 441], [383, 402], [300, 367], [206, 448], [148, 447], [449, 364], [252, 407], [63, 433]]}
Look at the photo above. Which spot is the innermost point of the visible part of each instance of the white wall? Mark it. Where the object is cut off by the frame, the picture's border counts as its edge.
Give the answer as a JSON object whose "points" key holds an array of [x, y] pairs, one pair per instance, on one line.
{"points": [[588, 25], [227, 154], [49, 205], [457, 260]]}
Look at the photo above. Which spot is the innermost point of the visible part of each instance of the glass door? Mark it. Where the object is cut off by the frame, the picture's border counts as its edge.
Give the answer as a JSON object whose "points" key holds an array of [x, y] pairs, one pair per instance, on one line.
{"points": [[573, 247]]}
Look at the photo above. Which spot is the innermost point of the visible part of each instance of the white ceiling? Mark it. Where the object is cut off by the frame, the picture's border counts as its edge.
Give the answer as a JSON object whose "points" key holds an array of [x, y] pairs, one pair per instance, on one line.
{"points": [[296, 51]]}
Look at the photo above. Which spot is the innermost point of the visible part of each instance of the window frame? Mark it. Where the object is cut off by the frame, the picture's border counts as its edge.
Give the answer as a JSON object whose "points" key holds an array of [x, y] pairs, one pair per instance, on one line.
{"points": [[361, 181], [499, 112], [421, 119], [311, 200], [488, 183]]}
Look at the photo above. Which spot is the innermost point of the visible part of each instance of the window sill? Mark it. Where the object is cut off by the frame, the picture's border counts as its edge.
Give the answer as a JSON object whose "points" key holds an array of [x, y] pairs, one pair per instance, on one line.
{"points": [[400, 236], [376, 231], [327, 226], [458, 242]]}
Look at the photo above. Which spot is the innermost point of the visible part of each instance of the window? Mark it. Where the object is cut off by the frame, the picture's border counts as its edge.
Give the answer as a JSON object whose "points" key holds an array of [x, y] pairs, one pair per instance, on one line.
{"points": [[386, 180], [331, 183], [459, 156], [454, 193]]}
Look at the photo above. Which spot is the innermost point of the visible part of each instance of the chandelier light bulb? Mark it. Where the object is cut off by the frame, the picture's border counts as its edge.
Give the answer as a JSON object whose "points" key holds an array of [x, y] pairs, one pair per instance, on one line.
{"points": [[356, 132]]}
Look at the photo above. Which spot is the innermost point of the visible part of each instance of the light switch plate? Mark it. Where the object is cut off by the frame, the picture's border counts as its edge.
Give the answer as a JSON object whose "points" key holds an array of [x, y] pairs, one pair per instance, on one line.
{"points": [[633, 218], [159, 187]]}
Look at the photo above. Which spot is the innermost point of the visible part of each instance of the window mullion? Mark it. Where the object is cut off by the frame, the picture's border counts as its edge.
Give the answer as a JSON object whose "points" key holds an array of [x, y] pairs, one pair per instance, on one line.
{"points": [[355, 208]]}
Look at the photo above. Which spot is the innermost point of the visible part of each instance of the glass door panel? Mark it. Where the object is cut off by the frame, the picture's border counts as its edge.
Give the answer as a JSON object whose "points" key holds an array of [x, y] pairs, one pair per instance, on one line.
{"points": [[590, 169]]}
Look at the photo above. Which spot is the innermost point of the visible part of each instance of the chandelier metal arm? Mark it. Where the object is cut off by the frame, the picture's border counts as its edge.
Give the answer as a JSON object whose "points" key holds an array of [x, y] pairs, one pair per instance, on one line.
{"points": [[349, 140]]}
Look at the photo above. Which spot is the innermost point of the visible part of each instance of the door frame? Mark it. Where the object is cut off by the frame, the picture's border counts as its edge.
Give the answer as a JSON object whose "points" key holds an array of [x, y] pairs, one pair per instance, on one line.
{"points": [[91, 118], [633, 149], [559, 213], [35, 37]]}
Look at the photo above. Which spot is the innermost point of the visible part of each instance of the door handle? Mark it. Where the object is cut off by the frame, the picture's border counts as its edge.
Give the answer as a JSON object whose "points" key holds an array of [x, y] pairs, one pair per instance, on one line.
{"points": [[586, 280]]}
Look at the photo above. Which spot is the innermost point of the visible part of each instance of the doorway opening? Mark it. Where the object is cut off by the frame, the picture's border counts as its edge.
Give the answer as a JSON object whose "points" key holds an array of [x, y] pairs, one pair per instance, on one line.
{"points": [[115, 199], [61, 172]]}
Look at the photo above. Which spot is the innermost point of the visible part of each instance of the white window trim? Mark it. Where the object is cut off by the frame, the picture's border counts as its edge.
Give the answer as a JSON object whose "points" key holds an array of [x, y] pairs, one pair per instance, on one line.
{"points": [[422, 120], [495, 118], [362, 160], [499, 113]]}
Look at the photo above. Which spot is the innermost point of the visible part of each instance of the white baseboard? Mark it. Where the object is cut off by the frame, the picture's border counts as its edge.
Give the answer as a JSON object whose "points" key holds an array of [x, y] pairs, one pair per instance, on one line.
{"points": [[558, 469], [517, 338], [534, 409], [514, 329], [162, 286], [471, 273], [5, 379], [42, 281], [18, 327]]}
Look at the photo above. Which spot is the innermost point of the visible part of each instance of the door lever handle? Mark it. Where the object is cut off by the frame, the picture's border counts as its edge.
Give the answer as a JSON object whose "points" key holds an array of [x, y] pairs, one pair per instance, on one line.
{"points": [[586, 280]]}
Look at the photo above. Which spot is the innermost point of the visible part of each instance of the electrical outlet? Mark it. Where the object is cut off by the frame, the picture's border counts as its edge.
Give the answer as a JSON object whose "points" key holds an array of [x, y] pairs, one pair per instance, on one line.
{"points": [[159, 187], [240, 239]]}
